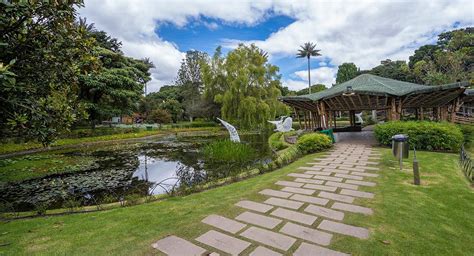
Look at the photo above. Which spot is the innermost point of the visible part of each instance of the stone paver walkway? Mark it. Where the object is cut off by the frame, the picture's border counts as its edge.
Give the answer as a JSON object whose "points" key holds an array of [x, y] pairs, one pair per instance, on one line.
{"points": [[301, 216]]}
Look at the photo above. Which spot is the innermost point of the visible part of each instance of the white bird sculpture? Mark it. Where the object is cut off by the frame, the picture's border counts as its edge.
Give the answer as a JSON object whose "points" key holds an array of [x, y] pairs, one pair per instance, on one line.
{"points": [[234, 136], [284, 124], [359, 118]]}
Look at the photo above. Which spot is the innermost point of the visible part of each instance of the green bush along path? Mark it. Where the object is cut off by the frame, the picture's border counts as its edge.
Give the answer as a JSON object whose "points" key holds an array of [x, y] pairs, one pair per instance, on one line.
{"points": [[434, 218]]}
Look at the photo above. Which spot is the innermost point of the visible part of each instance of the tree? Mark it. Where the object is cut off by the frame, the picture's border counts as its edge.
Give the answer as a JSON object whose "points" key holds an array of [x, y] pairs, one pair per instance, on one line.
{"points": [[307, 50], [160, 116], [46, 53], [450, 60], [397, 70], [425, 52], [190, 80], [115, 87], [314, 88], [245, 85], [345, 72]]}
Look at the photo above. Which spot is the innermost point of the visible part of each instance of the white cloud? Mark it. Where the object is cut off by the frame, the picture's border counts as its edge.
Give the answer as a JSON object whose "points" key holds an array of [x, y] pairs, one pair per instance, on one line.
{"points": [[363, 32], [322, 75]]}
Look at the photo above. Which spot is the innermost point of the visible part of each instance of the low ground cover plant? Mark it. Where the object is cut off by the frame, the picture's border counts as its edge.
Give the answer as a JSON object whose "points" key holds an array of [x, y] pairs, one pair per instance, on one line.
{"points": [[423, 135]]}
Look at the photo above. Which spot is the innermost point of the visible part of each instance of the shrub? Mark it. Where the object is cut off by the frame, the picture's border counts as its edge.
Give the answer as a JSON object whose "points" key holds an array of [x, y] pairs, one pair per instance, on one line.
{"points": [[159, 116], [313, 142], [422, 134]]}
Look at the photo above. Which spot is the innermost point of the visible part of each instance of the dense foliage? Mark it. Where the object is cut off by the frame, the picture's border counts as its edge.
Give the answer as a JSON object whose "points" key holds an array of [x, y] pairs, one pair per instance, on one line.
{"points": [[46, 54], [245, 86], [56, 70], [313, 142], [422, 134]]}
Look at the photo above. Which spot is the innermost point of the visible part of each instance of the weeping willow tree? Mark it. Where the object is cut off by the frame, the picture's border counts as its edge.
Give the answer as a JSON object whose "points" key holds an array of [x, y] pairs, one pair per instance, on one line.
{"points": [[245, 85]]}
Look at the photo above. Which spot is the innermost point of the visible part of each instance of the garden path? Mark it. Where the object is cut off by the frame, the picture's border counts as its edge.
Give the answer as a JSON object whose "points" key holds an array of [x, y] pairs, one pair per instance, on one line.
{"points": [[300, 218]]}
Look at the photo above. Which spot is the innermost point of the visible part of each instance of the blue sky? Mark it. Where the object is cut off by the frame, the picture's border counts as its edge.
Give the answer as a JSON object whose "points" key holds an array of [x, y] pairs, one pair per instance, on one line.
{"points": [[206, 34], [360, 31]]}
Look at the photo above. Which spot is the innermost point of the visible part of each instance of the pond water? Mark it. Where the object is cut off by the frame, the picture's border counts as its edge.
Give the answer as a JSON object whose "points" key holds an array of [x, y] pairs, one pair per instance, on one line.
{"points": [[123, 172]]}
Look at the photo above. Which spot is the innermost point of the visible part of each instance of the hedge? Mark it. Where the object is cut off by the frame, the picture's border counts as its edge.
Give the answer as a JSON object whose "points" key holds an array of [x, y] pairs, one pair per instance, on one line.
{"points": [[424, 135], [313, 142]]}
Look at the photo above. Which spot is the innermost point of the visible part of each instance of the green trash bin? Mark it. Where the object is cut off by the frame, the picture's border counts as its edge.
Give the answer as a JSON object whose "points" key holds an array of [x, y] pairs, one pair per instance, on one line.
{"points": [[329, 133], [149, 127]]}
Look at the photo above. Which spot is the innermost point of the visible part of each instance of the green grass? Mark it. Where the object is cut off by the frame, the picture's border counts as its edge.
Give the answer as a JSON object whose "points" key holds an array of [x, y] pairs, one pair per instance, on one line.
{"points": [[435, 218], [14, 147], [39, 165]]}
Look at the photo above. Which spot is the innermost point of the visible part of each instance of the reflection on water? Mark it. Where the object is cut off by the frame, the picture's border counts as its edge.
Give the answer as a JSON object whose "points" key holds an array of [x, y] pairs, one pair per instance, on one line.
{"points": [[157, 170]]}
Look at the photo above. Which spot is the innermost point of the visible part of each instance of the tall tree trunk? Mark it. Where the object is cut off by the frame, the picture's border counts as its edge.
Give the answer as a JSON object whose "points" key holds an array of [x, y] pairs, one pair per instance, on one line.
{"points": [[309, 76]]}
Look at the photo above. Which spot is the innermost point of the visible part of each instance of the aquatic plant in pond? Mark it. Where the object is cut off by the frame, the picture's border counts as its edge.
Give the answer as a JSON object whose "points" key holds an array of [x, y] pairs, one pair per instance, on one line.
{"points": [[123, 172]]}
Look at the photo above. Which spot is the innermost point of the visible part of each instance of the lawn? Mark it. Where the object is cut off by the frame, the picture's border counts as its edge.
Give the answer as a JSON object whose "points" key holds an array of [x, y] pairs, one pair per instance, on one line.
{"points": [[435, 218]]}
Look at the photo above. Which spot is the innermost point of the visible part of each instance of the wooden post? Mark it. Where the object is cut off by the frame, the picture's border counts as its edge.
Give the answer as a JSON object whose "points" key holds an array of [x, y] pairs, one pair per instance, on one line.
{"points": [[421, 113], [335, 119], [298, 116], [417, 114], [304, 116]]}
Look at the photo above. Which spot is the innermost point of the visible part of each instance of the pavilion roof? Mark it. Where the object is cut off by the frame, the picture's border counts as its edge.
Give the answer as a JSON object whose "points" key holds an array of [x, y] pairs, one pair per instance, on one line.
{"points": [[374, 85]]}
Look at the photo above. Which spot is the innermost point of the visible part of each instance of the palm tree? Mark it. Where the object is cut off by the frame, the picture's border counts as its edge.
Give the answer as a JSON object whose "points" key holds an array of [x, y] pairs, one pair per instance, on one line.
{"points": [[307, 50]]}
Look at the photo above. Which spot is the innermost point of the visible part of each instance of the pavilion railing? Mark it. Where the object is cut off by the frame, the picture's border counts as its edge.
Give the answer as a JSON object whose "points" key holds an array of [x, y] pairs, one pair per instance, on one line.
{"points": [[467, 164], [464, 119]]}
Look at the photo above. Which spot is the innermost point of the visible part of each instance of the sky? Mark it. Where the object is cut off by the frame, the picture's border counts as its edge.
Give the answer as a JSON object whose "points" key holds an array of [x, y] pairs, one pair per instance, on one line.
{"points": [[363, 32]]}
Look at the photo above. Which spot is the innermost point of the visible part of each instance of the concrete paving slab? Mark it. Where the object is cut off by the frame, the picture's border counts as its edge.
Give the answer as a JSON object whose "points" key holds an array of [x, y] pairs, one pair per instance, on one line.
{"points": [[289, 183], [366, 174], [344, 229], [284, 203], [262, 251], [356, 193], [310, 199], [298, 190], [259, 220], [352, 208], [309, 181], [320, 177], [332, 170], [307, 168], [277, 193], [176, 246], [254, 206], [306, 249], [337, 197], [294, 216], [362, 183], [223, 242], [320, 187], [324, 212], [270, 238], [300, 175], [341, 185], [347, 176], [317, 173], [223, 223], [305, 233]]}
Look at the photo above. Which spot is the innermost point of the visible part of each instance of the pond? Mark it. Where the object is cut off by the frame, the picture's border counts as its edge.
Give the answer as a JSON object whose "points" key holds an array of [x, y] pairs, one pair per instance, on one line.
{"points": [[124, 172]]}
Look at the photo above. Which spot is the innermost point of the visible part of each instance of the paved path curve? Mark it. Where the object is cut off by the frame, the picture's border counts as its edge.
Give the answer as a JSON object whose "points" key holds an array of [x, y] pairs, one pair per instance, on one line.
{"points": [[302, 216]]}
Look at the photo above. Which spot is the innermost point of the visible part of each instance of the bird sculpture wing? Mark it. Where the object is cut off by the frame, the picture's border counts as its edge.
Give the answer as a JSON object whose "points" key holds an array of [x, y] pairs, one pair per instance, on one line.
{"points": [[234, 136]]}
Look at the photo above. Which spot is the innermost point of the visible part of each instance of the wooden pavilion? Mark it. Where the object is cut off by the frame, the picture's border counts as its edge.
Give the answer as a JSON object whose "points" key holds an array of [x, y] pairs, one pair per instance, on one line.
{"points": [[370, 92]]}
